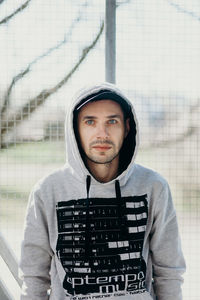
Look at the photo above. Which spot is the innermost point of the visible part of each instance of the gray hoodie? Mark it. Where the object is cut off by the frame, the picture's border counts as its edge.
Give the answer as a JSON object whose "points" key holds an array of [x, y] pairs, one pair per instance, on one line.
{"points": [[89, 240]]}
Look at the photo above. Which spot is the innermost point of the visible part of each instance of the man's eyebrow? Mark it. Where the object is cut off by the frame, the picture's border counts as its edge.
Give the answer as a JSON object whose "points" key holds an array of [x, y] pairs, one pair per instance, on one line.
{"points": [[89, 117], [108, 117], [114, 117]]}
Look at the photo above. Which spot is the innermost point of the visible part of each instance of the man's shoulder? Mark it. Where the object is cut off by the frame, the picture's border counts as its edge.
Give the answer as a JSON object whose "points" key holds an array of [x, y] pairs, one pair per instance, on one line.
{"points": [[149, 176], [55, 177]]}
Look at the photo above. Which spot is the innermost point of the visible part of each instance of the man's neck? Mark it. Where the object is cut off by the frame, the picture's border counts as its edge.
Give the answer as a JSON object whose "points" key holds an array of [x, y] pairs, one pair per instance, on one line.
{"points": [[104, 172]]}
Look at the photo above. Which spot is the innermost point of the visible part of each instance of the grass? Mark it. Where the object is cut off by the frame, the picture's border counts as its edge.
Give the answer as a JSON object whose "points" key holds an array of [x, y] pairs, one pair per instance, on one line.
{"points": [[12, 193], [47, 152], [21, 166]]}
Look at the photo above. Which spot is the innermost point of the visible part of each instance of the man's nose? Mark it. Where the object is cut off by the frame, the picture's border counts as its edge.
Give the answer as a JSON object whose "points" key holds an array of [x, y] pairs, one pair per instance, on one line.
{"points": [[102, 131]]}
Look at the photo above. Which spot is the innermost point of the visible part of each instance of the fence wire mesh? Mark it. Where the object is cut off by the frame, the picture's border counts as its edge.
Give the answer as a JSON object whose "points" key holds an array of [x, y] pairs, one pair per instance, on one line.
{"points": [[50, 49]]}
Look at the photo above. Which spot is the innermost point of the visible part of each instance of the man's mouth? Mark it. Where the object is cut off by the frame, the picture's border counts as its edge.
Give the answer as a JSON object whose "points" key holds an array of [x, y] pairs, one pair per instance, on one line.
{"points": [[101, 147]]}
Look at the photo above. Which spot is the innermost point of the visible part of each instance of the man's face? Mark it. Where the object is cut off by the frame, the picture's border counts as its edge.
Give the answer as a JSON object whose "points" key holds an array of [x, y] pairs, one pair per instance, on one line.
{"points": [[102, 130]]}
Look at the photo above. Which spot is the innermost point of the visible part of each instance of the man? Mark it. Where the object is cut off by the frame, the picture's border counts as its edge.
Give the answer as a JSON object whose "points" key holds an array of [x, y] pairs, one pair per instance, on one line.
{"points": [[102, 227]]}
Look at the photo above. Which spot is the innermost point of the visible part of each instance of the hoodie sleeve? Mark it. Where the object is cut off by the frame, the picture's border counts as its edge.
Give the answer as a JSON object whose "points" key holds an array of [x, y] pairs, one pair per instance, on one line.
{"points": [[167, 257], [35, 253]]}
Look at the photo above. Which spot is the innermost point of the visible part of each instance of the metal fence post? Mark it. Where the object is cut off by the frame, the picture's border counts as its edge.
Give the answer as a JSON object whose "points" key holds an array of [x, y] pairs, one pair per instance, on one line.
{"points": [[4, 295], [9, 258], [110, 41]]}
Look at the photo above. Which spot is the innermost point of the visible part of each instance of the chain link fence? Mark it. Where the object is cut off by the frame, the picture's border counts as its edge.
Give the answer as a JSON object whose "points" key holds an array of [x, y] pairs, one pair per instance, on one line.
{"points": [[49, 50]]}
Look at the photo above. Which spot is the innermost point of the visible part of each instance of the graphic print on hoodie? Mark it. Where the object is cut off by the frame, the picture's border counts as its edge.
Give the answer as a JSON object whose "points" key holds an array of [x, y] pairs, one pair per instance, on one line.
{"points": [[100, 244]]}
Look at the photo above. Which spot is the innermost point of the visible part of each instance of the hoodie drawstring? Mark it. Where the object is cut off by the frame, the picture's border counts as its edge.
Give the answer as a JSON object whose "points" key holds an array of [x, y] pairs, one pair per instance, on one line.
{"points": [[88, 182], [87, 227], [120, 205], [118, 190]]}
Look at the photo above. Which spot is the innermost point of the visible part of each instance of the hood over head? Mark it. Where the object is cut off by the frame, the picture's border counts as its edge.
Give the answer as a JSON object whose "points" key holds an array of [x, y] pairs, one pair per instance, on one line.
{"points": [[88, 94]]}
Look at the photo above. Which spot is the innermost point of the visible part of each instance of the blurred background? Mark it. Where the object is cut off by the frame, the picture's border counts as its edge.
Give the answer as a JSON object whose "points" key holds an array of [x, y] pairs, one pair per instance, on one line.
{"points": [[48, 50]]}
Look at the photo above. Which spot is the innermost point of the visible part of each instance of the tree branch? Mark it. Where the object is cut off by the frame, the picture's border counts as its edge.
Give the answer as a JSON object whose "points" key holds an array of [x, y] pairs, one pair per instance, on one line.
{"points": [[18, 10], [34, 103], [183, 10], [122, 2], [7, 96], [37, 59], [1, 1]]}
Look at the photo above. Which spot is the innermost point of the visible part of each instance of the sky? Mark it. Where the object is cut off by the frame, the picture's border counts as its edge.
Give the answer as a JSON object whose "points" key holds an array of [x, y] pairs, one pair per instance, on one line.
{"points": [[162, 51]]}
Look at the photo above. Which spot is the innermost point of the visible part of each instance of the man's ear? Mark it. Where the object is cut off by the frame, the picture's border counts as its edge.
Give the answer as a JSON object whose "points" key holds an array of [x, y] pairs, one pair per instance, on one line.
{"points": [[127, 127]]}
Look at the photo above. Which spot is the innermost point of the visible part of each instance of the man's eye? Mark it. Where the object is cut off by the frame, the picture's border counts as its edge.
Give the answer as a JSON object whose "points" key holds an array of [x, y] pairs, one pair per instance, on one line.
{"points": [[90, 122], [112, 121]]}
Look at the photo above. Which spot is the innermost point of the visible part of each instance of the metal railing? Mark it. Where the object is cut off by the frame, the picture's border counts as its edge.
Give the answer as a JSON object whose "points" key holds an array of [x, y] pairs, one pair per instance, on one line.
{"points": [[110, 40], [4, 295], [11, 261]]}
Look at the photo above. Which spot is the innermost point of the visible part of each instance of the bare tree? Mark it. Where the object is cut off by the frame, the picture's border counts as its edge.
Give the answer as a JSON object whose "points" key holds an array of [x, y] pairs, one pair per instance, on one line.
{"points": [[9, 122], [27, 69]]}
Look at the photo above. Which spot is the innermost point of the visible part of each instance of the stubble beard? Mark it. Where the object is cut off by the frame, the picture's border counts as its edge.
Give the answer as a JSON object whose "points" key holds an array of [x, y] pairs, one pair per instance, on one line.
{"points": [[102, 158], [104, 161]]}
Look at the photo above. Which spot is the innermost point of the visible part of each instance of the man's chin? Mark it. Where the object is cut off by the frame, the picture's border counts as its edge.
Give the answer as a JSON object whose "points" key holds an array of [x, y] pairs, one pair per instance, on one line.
{"points": [[101, 160]]}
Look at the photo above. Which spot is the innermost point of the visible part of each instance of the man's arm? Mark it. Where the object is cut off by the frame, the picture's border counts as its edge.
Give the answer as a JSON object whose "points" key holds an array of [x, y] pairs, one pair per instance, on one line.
{"points": [[35, 253], [167, 257]]}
